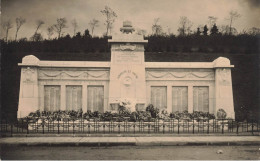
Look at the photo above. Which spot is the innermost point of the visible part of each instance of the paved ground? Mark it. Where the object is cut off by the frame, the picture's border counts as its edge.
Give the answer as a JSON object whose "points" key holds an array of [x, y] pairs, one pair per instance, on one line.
{"points": [[139, 141], [131, 152]]}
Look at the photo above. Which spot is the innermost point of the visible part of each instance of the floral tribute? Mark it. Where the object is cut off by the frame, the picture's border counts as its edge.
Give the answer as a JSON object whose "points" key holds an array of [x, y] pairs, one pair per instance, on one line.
{"points": [[129, 104], [125, 113]]}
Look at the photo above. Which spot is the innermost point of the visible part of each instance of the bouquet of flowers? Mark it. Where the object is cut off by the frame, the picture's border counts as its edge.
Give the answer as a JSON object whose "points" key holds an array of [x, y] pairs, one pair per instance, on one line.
{"points": [[129, 104]]}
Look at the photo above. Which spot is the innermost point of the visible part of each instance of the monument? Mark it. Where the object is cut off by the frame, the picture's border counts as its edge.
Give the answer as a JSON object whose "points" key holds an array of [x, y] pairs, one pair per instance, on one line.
{"points": [[99, 86]]}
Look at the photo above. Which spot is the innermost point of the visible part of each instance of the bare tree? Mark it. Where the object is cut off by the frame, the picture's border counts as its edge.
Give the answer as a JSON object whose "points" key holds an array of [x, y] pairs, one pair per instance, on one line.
{"points": [[254, 31], [93, 23], [50, 32], [7, 25], [212, 20], [156, 28], [61, 24], [19, 22], [75, 26], [36, 36], [39, 23], [233, 15], [225, 29], [185, 26], [110, 18]]}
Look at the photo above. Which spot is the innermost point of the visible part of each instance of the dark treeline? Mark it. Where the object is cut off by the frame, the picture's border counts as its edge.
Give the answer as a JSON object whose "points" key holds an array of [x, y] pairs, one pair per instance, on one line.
{"points": [[242, 50], [243, 43]]}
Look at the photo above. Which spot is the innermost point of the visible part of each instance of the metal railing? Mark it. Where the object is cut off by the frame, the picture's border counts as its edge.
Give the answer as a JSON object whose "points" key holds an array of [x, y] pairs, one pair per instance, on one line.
{"points": [[170, 126]]}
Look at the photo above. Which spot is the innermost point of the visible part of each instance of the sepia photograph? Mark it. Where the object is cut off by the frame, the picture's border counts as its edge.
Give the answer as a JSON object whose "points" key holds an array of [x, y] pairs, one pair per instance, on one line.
{"points": [[130, 80]]}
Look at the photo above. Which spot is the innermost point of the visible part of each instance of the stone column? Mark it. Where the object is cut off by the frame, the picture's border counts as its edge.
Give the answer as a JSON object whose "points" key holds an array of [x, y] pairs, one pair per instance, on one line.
{"points": [[29, 95], [223, 86]]}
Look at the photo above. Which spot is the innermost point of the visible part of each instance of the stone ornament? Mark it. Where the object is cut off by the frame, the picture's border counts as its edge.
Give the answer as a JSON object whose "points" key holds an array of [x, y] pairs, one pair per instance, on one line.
{"points": [[190, 75], [28, 75], [128, 47], [127, 81], [224, 77], [30, 59], [73, 74]]}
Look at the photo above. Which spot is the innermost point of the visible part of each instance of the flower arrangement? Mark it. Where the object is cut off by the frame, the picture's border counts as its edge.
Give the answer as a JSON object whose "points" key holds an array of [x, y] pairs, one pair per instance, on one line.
{"points": [[128, 104], [123, 114], [154, 111]]}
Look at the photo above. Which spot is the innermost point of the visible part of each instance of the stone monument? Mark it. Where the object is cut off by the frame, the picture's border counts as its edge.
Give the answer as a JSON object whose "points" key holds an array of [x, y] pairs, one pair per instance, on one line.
{"points": [[99, 86]]}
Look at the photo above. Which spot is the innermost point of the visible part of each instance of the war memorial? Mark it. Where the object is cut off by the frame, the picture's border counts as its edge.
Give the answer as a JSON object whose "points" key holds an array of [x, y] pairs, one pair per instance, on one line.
{"points": [[100, 86]]}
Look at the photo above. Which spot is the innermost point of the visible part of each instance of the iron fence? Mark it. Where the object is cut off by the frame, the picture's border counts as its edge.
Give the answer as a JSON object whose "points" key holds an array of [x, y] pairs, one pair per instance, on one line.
{"points": [[171, 126]]}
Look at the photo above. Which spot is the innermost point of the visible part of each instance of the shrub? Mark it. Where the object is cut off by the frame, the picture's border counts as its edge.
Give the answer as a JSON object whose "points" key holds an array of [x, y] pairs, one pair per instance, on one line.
{"points": [[221, 114], [133, 116], [154, 111]]}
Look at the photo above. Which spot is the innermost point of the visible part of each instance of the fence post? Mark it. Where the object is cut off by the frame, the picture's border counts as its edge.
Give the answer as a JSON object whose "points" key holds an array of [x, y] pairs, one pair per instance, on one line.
{"points": [[58, 126], [178, 126], [134, 127], [237, 127], [43, 122], [252, 127], [163, 127], [27, 124], [17, 126], [246, 126], [11, 129], [149, 127], [188, 126], [73, 126], [208, 127], [193, 126], [257, 125], [119, 127], [222, 126], [232, 125]]}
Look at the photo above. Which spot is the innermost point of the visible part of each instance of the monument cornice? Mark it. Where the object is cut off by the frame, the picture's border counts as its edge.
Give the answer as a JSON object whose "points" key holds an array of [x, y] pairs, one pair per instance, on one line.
{"points": [[165, 65], [68, 64]]}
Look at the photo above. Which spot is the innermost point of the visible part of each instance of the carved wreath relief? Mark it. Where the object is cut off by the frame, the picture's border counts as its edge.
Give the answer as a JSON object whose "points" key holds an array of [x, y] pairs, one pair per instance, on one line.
{"points": [[224, 77], [28, 75]]}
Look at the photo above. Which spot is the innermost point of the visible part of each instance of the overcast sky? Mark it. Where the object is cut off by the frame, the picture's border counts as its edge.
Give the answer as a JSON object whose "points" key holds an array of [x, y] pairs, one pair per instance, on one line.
{"points": [[141, 12]]}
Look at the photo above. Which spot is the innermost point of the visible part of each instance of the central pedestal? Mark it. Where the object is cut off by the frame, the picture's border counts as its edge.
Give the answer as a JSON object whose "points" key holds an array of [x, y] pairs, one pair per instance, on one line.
{"points": [[127, 75], [127, 70]]}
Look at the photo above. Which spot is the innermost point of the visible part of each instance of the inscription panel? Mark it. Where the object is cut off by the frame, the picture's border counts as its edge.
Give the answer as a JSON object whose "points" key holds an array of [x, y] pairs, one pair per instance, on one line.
{"points": [[128, 57]]}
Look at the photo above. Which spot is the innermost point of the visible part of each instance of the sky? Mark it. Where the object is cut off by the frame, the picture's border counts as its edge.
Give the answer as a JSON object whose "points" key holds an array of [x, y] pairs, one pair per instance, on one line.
{"points": [[140, 12]]}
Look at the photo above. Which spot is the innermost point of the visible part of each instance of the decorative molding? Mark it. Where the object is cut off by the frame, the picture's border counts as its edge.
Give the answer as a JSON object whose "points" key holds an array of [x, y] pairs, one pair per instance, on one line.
{"points": [[28, 75], [127, 47], [73, 74], [224, 77], [127, 81], [179, 75]]}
